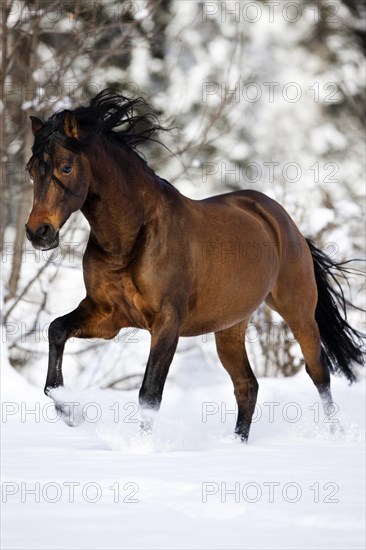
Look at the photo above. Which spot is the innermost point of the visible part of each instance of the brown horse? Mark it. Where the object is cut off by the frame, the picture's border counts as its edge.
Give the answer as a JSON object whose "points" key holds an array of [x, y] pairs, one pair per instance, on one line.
{"points": [[177, 267]]}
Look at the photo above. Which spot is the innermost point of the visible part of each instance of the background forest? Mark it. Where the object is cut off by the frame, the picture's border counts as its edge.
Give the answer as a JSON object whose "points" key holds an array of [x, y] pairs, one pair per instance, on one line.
{"points": [[260, 94]]}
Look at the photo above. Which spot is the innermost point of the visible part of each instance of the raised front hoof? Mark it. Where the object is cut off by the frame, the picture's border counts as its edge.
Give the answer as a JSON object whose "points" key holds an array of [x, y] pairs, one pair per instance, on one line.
{"points": [[69, 414], [69, 411]]}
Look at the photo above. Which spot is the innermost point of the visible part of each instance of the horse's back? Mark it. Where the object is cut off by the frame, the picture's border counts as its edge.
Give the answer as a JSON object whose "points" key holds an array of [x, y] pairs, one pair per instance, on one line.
{"points": [[263, 217], [254, 203]]}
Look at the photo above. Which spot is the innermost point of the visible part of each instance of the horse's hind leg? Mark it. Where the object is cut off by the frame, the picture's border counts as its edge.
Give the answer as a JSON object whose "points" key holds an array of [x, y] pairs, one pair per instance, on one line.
{"points": [[233, 355], [300, 317], [308, 337]]}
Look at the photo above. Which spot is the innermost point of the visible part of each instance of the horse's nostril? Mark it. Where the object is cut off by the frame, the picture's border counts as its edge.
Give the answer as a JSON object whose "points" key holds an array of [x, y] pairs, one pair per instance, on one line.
{"points": [[44, 231], [28, 233]]}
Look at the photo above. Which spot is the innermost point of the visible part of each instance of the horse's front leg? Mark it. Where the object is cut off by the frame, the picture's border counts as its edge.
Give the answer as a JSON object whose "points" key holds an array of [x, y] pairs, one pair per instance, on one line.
{"points": [[164, 340], [88, 320]]}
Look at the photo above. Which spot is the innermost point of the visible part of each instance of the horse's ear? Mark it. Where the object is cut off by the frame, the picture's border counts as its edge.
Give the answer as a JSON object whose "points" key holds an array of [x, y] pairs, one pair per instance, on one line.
{"points": [[70, 125], [36, 124]]}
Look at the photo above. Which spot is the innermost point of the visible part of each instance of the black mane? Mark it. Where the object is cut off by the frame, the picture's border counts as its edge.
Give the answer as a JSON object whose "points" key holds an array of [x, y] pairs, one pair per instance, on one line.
{"points": [[130, 121]]}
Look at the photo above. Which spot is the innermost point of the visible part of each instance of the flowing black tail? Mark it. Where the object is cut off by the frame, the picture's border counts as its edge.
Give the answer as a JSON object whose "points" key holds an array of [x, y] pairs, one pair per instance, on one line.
{"points": [[341, 344]]}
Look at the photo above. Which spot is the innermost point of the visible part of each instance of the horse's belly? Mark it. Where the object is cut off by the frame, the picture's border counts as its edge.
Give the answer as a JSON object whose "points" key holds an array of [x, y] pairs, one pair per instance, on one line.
{"points": [[197, 327], [224, 300]]}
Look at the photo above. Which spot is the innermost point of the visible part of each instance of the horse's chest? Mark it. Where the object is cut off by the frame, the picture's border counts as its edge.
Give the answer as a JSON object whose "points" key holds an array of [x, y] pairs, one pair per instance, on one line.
{"points": [[115, 291]]}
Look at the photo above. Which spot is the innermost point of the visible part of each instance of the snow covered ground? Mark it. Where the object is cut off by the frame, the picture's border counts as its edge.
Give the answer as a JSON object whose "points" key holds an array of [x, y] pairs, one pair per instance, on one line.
{"points": [[191, 485]]}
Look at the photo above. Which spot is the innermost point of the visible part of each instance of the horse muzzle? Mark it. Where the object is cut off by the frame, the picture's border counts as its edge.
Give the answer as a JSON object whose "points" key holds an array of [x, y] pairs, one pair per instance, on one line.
{"points": [[45, 237]]}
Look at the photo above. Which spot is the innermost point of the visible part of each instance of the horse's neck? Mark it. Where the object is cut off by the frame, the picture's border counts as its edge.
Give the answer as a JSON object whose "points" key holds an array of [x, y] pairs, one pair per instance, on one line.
{"points": [[120, 201]]}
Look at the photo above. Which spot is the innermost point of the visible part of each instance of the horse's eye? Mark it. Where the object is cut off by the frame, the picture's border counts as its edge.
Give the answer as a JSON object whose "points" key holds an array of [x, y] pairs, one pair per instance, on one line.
{"points": [[66, 170]]}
